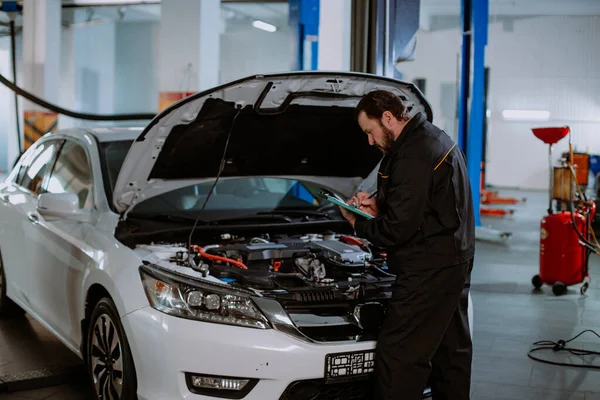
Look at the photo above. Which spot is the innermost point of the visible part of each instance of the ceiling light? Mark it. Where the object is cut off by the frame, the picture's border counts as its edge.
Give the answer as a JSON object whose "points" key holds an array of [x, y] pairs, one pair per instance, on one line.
{"points": [[526, 115], [264, 26]]}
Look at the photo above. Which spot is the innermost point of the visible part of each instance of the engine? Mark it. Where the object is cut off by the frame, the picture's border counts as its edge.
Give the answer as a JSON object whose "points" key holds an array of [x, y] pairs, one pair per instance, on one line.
{"points": [[285, 262]]}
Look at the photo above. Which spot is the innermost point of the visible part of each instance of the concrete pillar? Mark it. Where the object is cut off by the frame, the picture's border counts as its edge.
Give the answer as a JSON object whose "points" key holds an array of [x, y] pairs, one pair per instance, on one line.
{"points": [[41, 64], [334, 35], [190, 35]]}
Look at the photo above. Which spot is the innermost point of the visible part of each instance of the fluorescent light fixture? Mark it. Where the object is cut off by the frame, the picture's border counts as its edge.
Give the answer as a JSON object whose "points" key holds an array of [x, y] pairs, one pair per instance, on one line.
{"points": [[264, 26], [526, 115]]}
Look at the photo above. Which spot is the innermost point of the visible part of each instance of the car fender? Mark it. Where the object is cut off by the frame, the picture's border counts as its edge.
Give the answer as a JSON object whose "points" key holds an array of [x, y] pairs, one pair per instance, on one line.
{"points": [[118, 273]]}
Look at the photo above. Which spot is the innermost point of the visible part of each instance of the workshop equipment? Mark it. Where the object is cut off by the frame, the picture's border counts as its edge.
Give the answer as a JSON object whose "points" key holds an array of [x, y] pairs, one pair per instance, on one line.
{"points": [[582, 164], [565, 235], [495, 212]]}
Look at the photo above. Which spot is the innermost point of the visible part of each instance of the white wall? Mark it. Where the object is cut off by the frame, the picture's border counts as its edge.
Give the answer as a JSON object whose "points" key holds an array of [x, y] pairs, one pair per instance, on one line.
{"points": [[544, 63], [95, 68], [136, 67], [246, 50], [88, 76], [436, 60]]}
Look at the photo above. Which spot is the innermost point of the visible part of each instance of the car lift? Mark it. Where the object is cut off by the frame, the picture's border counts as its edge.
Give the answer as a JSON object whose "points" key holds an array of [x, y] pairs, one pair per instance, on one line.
{"points": [[471, 126]]}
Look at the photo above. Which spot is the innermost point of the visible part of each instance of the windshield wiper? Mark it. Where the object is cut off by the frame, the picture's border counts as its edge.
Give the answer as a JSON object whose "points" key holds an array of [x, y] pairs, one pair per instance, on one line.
{"points": [[268, 218], [300, 213], [163, 217]]}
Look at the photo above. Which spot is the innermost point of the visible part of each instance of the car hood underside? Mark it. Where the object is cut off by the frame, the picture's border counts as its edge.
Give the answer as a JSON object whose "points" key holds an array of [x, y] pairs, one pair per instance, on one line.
{"points": [[295, 124]]}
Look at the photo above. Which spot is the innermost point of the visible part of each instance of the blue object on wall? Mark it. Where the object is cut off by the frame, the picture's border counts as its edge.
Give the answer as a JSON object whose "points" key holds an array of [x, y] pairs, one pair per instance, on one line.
{"points": [[304, 17]]}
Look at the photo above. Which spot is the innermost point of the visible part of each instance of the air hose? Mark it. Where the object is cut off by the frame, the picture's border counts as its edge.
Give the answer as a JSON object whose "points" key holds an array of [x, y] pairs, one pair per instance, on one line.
{"points": [[91, 117], [34, 99]]}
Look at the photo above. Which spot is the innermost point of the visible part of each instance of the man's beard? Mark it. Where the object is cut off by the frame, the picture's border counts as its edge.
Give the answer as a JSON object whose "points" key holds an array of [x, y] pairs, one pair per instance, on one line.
{"points": [[388, 140]]}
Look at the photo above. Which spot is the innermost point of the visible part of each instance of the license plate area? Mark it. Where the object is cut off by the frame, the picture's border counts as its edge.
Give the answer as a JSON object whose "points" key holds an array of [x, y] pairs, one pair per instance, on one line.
{"points": [[352, 365]]}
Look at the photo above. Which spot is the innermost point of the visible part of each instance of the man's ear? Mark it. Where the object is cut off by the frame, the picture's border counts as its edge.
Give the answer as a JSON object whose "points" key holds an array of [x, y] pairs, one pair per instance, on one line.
{"points": [[387, 118]]}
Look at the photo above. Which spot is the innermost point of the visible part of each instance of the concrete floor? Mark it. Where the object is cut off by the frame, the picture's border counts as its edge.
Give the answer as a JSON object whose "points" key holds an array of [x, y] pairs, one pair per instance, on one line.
{"points": [[508, 317]]}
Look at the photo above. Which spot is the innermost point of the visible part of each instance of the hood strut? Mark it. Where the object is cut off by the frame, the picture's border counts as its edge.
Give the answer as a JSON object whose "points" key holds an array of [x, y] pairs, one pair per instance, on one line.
{"points": [[221, 168]]}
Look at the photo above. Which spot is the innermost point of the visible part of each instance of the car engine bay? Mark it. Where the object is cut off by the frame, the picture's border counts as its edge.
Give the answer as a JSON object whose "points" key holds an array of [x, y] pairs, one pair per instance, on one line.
{"points": [[304, 268]]}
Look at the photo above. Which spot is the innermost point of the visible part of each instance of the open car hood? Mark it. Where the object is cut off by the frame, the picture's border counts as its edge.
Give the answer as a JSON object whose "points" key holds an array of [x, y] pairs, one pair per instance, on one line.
{"points": [[298, 124]]}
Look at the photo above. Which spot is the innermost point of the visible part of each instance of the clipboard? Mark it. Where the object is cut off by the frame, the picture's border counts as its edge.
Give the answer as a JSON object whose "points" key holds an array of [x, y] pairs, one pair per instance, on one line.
{"points": [[340, 202]]}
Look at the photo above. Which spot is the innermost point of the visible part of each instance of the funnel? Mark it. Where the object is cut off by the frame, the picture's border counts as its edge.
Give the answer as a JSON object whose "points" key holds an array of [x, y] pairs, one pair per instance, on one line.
{"points": [[551, 135]]}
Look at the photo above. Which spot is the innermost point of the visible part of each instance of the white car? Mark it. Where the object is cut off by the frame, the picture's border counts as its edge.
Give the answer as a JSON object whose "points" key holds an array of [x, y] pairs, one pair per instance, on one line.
{"points": [[170, 283]]}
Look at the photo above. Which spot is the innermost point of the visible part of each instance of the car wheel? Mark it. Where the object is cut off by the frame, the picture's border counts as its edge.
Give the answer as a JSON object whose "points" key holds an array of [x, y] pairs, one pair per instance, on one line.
{"points": [[7, 307], [109, 360]]}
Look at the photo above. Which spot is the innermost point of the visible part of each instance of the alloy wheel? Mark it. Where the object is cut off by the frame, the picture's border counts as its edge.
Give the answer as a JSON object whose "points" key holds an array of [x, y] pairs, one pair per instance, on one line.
{"points": [[107, 359]]}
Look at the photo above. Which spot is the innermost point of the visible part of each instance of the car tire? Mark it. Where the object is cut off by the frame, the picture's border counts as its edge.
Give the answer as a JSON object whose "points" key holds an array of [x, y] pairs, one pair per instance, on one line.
{"points": [[109, 369], [7, 307]]}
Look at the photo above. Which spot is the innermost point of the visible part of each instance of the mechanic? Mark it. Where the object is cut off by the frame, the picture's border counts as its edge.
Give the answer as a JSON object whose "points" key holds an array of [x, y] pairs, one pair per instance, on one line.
{"points": [[425, 221]]}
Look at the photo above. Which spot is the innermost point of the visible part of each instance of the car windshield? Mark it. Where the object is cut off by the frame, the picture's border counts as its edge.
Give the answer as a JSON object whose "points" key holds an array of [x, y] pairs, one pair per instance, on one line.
{"points": [[231, 197], [234, 197]]}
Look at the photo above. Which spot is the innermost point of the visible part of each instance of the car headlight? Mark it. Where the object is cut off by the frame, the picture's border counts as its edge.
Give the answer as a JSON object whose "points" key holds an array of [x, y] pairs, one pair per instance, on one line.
{"points": [[187, 298]]}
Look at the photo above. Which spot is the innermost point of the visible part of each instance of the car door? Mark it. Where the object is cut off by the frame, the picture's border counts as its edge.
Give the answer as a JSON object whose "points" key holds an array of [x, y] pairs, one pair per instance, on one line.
{"points": [[61, 243], [18, 197]]}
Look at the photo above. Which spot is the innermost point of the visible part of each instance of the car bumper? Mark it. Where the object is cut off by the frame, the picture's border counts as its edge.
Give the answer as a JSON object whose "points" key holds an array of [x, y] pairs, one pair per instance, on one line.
{"points": [[165, 348]]}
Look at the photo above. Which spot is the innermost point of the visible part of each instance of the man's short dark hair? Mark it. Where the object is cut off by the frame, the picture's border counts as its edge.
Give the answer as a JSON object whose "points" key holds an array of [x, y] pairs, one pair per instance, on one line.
{"points": [[375, 103]]}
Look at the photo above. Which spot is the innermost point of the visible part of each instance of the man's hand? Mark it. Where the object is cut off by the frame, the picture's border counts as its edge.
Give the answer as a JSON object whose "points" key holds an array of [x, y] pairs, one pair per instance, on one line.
{"points": [[350, 216], [366, 204]]}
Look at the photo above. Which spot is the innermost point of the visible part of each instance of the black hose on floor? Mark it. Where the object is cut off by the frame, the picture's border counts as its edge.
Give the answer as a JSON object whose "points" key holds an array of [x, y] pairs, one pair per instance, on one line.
{"points": [[560, 346]]}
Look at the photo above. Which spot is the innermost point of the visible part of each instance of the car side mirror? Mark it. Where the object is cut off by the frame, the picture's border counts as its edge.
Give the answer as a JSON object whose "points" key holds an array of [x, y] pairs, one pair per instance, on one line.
{"points": [[53, 206]]}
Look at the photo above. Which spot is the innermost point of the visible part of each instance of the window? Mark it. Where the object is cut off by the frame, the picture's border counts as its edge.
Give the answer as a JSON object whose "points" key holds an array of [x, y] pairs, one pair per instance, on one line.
{"points": [[36, 166], [112, 156], [235, 196], [72, 174]]}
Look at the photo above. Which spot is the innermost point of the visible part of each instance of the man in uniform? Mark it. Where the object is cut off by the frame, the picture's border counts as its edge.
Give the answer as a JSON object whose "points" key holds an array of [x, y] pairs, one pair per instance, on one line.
{"points": [[424, 218]]}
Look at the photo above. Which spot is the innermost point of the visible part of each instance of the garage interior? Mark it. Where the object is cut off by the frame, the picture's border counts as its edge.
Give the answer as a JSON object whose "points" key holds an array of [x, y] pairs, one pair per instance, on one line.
{"points": [[494, 72]]}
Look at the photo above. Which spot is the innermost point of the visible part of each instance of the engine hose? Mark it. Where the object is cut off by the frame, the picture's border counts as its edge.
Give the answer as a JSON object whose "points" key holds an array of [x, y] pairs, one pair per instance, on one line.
{"points": [[91, 117], [213, 257]]}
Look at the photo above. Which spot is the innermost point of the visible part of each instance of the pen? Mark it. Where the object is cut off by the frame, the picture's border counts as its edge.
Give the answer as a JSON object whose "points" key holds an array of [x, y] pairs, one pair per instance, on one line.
{"points": [[372, 195]]}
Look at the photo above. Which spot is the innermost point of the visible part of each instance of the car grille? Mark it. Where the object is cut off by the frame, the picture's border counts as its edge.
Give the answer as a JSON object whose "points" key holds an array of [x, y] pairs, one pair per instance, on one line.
{"points": [[335, 322], [313, 296]]}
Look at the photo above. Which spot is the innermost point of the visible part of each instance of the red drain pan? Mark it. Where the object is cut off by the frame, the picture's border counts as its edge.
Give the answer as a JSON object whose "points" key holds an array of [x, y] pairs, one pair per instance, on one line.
{"points": [[551, 135]]}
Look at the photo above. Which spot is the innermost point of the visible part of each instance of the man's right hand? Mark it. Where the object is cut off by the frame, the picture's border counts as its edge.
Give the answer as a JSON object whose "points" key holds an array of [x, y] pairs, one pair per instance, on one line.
{"points": [[366, 204]]}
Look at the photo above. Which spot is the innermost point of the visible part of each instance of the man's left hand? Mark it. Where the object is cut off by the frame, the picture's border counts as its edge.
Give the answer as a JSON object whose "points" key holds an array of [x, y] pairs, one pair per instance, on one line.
{"points": [[350, 216]]}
